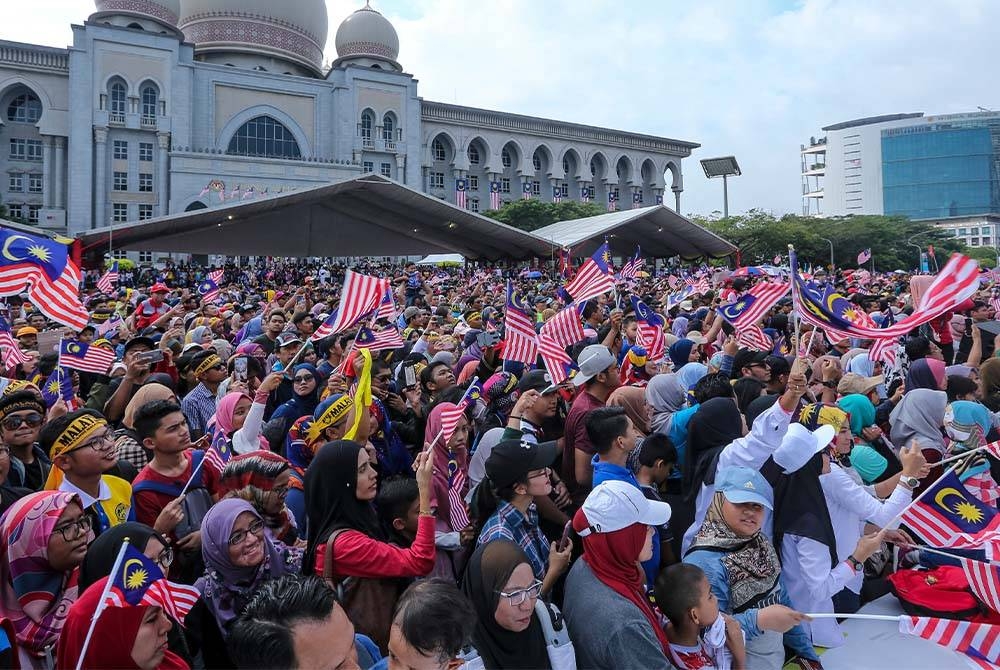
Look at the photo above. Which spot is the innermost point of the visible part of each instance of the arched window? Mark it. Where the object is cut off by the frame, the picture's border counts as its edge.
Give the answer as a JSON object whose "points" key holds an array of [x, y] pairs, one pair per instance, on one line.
{"points": [[505, 158], [25, 108], [566, 166], [135, 26], [593, 167], [388, 128], [117, 98], [440, 154], [263, 136], [149, 100], [473, 155], [536, 162], [367, 121]]}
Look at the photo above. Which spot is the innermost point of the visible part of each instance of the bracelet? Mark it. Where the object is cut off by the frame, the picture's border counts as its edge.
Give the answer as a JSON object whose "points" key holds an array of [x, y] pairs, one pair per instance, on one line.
{"points": [[512, 416]]}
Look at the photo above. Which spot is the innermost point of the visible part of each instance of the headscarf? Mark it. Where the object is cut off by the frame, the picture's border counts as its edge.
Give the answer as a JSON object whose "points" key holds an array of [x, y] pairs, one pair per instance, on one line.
{"points": [[34, 596], [800, 507], [110, 647], [302, 405], [613, 558], [848, 357], [485, 576], [146, 393], [679, 353], [757, 407], [690, 374], [751, 563], [665, 395], [968, 424], [447, 464], [103, 551], [223, 348], [925, 373], [712, 428], [860, 411], [863, 365], [226, 588], [299, 449], [256, 470], [252, 349], [919, 415], [817, 414], [959, 371], [331, 500], [222, 420], [633, 400], [195, 335]]}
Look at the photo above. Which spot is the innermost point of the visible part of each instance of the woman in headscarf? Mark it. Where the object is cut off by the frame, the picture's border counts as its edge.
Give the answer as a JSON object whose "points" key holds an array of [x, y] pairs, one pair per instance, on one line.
{"points": [[454, 532], [633, 400], [684, 351], [127, 441], [239, 420], [715, 425], [200, 335], [262, 479], [747, 389], [690, 374], [919, 417], [606, 587], [306, 387], [926, 373], [989, 381], [345, 538], [665, 396], [133, 637], [43, 539], [743, 569], [239, 556], [871, 457], [503, 590]]}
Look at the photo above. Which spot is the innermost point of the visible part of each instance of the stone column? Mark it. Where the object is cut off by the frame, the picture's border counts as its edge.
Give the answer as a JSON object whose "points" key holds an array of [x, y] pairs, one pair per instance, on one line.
{"points": [[101, 177], [59, 196], [46, 171], [162, 174], [677, 199]]}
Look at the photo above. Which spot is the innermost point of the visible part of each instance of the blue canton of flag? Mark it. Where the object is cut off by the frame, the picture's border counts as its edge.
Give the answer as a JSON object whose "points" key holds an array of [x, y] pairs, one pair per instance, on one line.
{"points": [[42, 252], [675, 299], [58, 385], [948, 515], [138, 580]]}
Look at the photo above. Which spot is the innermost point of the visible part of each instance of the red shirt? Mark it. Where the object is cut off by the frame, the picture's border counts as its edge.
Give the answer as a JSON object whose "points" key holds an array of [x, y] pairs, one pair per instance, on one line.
{"points": [[148, 504], [575, 437], [147, 313], [357, 555]]}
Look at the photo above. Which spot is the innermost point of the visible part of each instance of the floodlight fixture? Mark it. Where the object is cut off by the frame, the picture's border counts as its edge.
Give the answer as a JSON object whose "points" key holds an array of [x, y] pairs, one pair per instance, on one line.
{"points": [[725, 167]]}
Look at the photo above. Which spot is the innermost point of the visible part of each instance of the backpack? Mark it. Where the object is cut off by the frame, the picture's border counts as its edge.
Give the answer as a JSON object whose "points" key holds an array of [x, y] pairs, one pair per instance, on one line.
{"points": [[197, 500], [942, 592]]}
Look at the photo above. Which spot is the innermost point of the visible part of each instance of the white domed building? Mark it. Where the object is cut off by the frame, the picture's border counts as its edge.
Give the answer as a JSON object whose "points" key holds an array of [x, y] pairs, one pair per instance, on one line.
{"points": [[163, 106]]}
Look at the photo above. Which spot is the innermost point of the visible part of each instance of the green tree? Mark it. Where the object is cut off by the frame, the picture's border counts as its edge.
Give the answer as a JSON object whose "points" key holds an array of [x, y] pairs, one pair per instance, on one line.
{"points": [[533, 214]]}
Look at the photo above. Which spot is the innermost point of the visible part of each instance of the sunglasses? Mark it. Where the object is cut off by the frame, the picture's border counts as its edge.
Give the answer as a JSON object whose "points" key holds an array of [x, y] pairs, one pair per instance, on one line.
{"points": [[302, 380], [34, 420]]}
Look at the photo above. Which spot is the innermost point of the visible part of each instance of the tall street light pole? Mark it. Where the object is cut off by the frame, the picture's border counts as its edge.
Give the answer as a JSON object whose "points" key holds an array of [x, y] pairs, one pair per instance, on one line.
{"points": [[830, 242], [911, 243], [724, 167]]}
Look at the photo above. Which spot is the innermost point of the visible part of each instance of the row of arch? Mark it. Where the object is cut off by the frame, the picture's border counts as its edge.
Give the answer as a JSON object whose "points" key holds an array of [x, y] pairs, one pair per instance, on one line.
{"points": [[389, 127], [477, 153], [118, 94]]}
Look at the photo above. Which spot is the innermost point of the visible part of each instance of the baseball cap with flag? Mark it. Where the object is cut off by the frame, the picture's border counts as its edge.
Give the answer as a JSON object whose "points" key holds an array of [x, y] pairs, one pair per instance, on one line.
{"points": [[614, 505]]}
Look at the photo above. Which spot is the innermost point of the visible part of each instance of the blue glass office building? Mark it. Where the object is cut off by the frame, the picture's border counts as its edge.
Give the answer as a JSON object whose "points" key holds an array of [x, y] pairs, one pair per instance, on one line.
{"points": [[946, 168]]}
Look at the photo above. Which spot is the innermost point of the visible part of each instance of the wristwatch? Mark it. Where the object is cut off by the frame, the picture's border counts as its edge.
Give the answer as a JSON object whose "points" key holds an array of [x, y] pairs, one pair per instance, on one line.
{"points": [[909, 482], [855, 563], [830, 384]]}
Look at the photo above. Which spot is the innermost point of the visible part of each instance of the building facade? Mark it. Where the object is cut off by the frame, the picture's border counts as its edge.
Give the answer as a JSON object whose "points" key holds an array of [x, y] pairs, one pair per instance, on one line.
{"points": [[163, 106], [923, 167]]}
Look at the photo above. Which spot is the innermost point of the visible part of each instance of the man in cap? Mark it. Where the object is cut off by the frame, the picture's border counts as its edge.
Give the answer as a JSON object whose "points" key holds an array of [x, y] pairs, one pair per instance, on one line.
{"points": [[137, 371], [200, 403], [151, 309], [27, 338], [598, 375], [753, 364]]}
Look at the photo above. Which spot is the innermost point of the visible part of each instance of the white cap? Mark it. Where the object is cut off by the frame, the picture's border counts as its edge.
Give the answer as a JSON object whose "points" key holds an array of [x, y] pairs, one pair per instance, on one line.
{"points": [[614, 505], [799, 445]]}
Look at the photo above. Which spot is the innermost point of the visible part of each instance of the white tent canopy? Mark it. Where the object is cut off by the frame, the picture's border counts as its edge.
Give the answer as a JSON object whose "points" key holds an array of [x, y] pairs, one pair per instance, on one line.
{"points": [[442, 259]]}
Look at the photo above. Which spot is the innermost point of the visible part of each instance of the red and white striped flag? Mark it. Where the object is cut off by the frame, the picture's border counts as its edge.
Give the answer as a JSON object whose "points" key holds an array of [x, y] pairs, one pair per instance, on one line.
{"points": [[360, 296], [10, 351], [460, 196], [594, 276], [702, 286], [980, 642], [884, 349], [520, 338], [561, 331], [456, 500], [495, 195], [387, 307], [108, 280], [754, 337], [381, 340], [995, 302], [754, 304], [984, 580]]}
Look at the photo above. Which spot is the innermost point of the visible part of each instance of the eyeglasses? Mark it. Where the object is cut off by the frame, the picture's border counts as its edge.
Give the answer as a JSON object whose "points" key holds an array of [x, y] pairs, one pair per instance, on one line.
{"points": [[280, 491], [103, 442], [13, 422], [515, 598], [302, 380], [165, 558], [74, 529], [240, 536]]}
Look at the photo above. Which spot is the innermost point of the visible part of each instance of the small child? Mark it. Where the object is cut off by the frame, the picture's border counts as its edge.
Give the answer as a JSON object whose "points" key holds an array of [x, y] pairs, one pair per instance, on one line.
{"points": [[398, 505], [654, 460], [701, 638]]}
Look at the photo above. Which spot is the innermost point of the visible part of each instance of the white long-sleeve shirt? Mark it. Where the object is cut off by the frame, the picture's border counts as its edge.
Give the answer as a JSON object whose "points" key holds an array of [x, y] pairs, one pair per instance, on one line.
{"points": [[751, 451], [247, 438], [851, 505], [811, 584]]}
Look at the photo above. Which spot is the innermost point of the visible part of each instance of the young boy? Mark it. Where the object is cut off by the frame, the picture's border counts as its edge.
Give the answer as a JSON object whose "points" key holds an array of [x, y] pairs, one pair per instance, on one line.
{"points": [[653, 461], [398, 506], [701, 637]]}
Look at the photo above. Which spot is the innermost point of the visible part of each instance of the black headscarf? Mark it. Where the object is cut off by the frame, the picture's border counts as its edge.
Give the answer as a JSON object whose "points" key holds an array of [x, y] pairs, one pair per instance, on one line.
{"points": [[486, 574], [713, 427], [104, 550], [800, 507], [757, 407], [331, 500]]}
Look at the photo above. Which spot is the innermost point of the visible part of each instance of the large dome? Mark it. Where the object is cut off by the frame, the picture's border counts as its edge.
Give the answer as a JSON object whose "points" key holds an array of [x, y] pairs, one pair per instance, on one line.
{"points": [[367, 33], [164, 11], [291, 29]]}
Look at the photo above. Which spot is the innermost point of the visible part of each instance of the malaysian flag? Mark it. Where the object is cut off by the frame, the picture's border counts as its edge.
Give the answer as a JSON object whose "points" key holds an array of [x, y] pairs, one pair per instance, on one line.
{"points": [[450, 417], [494, 195], [753, 305], [631, 268], [675, 299], [460, 187], [864, 256], [636, 200], [138, 580], [526, 191], [219, 451], [700, 286], [43, 267], [754, 337], [980, 642], [649, 327], [594, 276], [556, 194], [379, 340], [565, 263], [995, 302], [360, 296], [209, 288], [81, 356], [236, 192], [520, 339], [58, 385], [387, 307], [612, 201], [11, 353], [112, 323], [561, 331], [949, 516], [984, 580], [585, 194], [249, 193], [108, 280], [659, 199]]}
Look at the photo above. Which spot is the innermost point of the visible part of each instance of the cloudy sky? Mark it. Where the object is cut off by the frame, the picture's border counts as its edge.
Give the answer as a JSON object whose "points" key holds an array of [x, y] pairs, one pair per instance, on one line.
{"points": [[753, 78]]}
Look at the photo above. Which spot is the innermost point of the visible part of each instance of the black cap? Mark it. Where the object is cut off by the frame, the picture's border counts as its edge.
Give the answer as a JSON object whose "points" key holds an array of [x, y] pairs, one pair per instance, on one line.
{"points": [[286, 338], [747, 357], [779, 365], [536, 380], [512, 460], [140, 341]]}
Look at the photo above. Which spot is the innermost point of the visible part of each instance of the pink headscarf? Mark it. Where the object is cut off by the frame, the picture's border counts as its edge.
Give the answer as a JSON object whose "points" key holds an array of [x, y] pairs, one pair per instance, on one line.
{"points": [[222, 420], [442, 462]]}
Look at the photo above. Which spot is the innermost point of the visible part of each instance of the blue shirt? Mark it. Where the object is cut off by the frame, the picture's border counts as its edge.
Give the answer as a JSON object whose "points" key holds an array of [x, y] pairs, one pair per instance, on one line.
{"points": [[507, 523], [604, 471]]}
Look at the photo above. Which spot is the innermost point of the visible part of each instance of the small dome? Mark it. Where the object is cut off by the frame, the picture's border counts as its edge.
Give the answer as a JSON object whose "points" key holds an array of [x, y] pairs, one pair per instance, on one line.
{"points": [[164, 11], [367, 33], [293, 29]]}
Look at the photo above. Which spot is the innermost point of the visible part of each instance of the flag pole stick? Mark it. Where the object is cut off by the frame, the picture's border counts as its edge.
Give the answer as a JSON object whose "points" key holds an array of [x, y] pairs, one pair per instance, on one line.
{"points": [[940, 552], [870, 617], [798, 320], [194, 473], [101, 605], [967, 453]]}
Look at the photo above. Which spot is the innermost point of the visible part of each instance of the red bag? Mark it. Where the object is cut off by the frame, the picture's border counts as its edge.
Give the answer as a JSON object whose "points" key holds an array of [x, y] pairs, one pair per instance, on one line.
{"points": [[942, 592]]}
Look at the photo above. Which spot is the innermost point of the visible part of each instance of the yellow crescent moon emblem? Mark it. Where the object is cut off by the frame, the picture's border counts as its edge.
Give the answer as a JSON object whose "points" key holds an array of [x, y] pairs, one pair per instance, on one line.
{"points": [[74, 349], [128, 563], [944, 493], [6, 247]]}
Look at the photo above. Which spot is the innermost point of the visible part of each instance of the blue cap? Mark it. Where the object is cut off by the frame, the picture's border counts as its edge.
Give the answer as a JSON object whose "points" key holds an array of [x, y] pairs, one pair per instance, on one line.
{"points": [[744, 485]]}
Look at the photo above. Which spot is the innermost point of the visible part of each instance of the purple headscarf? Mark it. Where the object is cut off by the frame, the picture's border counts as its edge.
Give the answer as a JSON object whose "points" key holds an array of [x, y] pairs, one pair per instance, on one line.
{"points": [[227, 588]]}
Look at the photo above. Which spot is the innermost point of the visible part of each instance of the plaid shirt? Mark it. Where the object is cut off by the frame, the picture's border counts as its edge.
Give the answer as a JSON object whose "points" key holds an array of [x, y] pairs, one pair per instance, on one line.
{"points": [[198, 407], [507, 523], [129, 449]]}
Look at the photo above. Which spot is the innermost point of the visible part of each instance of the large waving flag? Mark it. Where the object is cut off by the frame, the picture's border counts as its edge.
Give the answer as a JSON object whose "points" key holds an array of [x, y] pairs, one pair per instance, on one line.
{"points": [[754, 304], [949, 516], [379, 340], [650, 330], [980, 642], [9, 350], [675, 299], [984, 580], [43, 267], [108, 280], [561, 331], [361, 296], [594, 276], [520, 339]]}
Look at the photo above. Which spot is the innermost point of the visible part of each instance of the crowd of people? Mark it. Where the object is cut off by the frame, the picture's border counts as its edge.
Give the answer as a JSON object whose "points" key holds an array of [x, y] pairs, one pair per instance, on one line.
{"points": [[687, 512]]}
